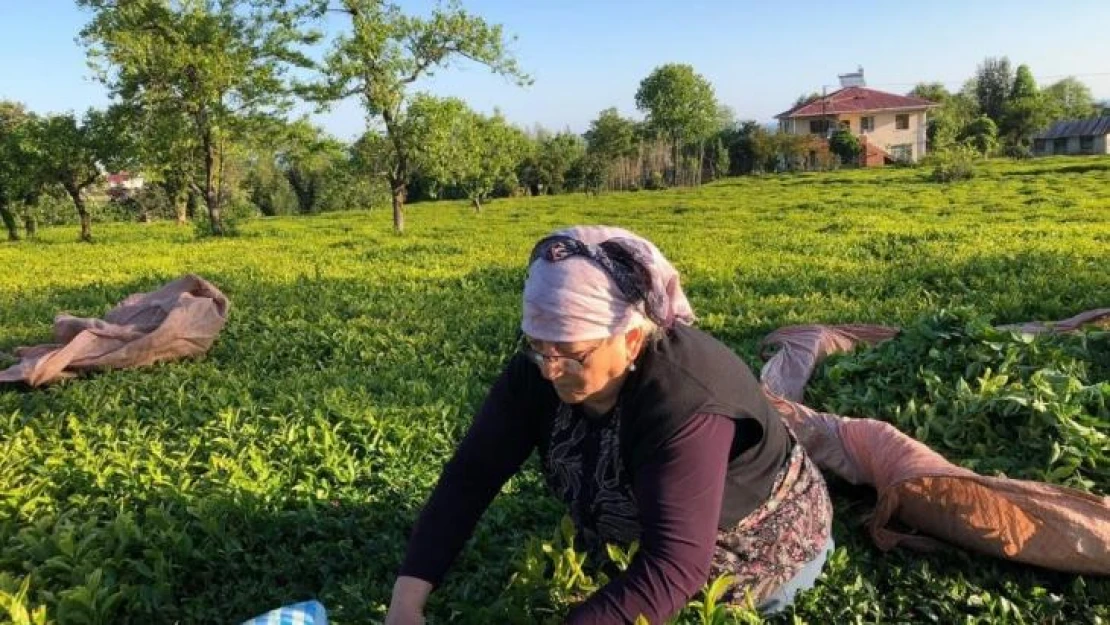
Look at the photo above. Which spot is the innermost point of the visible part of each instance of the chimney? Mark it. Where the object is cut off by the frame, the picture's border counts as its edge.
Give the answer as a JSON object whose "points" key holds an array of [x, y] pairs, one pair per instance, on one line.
{"points": [[854, 79]]}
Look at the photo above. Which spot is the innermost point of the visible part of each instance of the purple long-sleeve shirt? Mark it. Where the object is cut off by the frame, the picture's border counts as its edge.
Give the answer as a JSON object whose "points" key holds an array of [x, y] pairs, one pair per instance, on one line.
{"points": [[679, 492]]}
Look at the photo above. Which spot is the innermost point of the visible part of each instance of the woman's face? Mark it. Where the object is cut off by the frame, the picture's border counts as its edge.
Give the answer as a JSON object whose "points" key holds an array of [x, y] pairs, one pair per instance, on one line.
{"points": [[581, 371]]}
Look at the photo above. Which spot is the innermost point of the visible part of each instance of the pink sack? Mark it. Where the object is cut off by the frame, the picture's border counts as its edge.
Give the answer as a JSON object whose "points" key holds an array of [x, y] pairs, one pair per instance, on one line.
{"points": [[179, 320], [1031, 522]]}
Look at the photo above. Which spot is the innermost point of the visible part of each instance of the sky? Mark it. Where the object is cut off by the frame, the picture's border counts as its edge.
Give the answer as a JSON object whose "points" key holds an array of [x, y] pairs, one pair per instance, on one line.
{"points": [[585, 56]]}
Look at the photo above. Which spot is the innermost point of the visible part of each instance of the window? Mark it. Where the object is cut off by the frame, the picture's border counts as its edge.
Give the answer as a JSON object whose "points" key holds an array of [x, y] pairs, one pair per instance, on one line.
{"points": [[867, 124], [902, 122], [818, 126], [1060, 146], [845, 124], [1087, 144], [902, 152], [1039, 146]]}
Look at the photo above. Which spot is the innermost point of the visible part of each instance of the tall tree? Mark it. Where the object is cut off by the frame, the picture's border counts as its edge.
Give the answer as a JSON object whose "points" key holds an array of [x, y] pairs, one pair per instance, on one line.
{"points": [[680, 104], [75, 152], [215, 61], [1025, 112], [1069, 98], [992, 84], [20, 172], [385, 51]]}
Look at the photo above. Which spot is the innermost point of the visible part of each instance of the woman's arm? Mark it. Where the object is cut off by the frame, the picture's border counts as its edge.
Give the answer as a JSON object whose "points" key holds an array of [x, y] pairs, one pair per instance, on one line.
{"points": [[497, 443], [679, 493]]}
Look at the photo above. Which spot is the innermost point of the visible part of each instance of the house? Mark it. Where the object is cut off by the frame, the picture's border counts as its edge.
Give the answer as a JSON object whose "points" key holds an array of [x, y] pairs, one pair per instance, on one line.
{"points": [[891, 127], [122, 184], [1081, 136]]}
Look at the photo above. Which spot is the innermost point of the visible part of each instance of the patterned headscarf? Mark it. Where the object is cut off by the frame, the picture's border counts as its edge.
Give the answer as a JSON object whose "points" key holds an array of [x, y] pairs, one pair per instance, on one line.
{"points": [[593, 282]]}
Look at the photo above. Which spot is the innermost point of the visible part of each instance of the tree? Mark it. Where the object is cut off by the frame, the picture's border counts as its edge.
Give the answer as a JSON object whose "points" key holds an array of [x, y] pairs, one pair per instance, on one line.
{"points": [[494, 150], [546, 169], [982, 134], [167, 150], [789, 150], [750, 149], [307, 158], [1025, 112], [992, 84], [611, 136], [214, 63], [680, 105], [610, 139], [946, 122], [385, 51], [846, 146], [587, 174], [806, 98], [457, 148], [1069, 98], [73, 154], [719, 157], [21, 177], [932, 91]]}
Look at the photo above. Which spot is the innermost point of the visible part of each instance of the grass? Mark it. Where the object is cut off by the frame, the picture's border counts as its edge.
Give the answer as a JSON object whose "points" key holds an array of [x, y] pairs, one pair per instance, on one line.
{"points": [[291, 461]]}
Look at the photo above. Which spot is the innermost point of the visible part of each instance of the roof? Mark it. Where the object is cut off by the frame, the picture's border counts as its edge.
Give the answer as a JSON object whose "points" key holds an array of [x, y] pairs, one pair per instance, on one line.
{"points": [[856, 100], [1077, 128]]}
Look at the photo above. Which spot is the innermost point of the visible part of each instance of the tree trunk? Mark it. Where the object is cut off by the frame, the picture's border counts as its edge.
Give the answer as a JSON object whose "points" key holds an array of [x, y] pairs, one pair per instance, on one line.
{"points": [[398, 188], [9, 223], [211, 193], [30, 225], [674, 160], [701, 160], [82, 210], [476, 202], [181, 207], [191, 204]]}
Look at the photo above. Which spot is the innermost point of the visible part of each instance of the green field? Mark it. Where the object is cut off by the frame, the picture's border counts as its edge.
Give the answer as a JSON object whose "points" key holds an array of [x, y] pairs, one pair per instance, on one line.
{"points": [[290, 462]]}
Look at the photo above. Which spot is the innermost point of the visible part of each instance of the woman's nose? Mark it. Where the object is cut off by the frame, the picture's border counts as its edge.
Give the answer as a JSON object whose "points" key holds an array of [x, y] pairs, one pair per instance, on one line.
{"points": [[551, 368]]}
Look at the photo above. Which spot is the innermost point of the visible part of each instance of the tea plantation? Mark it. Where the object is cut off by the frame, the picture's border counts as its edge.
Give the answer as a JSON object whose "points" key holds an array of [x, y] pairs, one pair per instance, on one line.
{"points": [[290, 462]]}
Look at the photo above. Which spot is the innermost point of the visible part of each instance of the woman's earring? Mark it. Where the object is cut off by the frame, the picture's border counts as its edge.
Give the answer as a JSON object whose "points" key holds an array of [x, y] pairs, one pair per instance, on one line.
{"points": [[632, 367]]}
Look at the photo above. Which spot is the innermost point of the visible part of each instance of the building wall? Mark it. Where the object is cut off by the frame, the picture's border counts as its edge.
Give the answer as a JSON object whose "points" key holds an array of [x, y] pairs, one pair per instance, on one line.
{"points": [[1072, 146], [885, 134]]}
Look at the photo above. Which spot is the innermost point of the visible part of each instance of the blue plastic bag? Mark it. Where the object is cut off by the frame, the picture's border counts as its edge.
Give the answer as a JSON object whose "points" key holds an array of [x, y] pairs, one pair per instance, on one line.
{"points": [[304, 613]]}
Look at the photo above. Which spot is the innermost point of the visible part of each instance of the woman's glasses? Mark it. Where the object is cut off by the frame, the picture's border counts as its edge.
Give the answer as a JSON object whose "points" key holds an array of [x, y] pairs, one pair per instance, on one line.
{"points": [[567, 363]]}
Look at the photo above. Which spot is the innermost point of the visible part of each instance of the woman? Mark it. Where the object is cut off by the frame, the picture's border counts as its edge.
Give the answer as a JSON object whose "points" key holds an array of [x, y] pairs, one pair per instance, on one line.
{"points": [[647, 428]]}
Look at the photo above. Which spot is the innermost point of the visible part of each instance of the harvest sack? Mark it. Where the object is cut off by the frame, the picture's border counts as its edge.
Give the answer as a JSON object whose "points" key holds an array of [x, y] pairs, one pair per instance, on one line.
{"points": [[179, 320], [1031, 522]]}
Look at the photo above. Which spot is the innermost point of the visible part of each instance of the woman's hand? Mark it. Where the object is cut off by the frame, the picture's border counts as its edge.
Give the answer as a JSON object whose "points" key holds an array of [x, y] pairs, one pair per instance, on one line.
{"points": [[406, 607]]}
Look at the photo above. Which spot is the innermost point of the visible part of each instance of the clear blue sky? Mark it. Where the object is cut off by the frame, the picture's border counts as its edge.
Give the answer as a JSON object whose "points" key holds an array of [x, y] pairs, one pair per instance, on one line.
{"points": [[589, 55]]}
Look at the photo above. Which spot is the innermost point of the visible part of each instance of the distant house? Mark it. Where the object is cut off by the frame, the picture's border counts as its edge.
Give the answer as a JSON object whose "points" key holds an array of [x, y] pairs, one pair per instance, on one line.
{"points": [[1082, 136], [122, 184], [891, 127]]}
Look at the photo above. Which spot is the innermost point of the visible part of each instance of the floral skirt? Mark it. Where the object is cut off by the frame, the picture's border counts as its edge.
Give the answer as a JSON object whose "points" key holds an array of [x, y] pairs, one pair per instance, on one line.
{"points": [[771, 544]]}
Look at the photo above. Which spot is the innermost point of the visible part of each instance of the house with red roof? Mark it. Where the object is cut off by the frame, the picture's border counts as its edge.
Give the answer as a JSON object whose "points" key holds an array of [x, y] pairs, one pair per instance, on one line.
{"points": [[890, 127]]}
